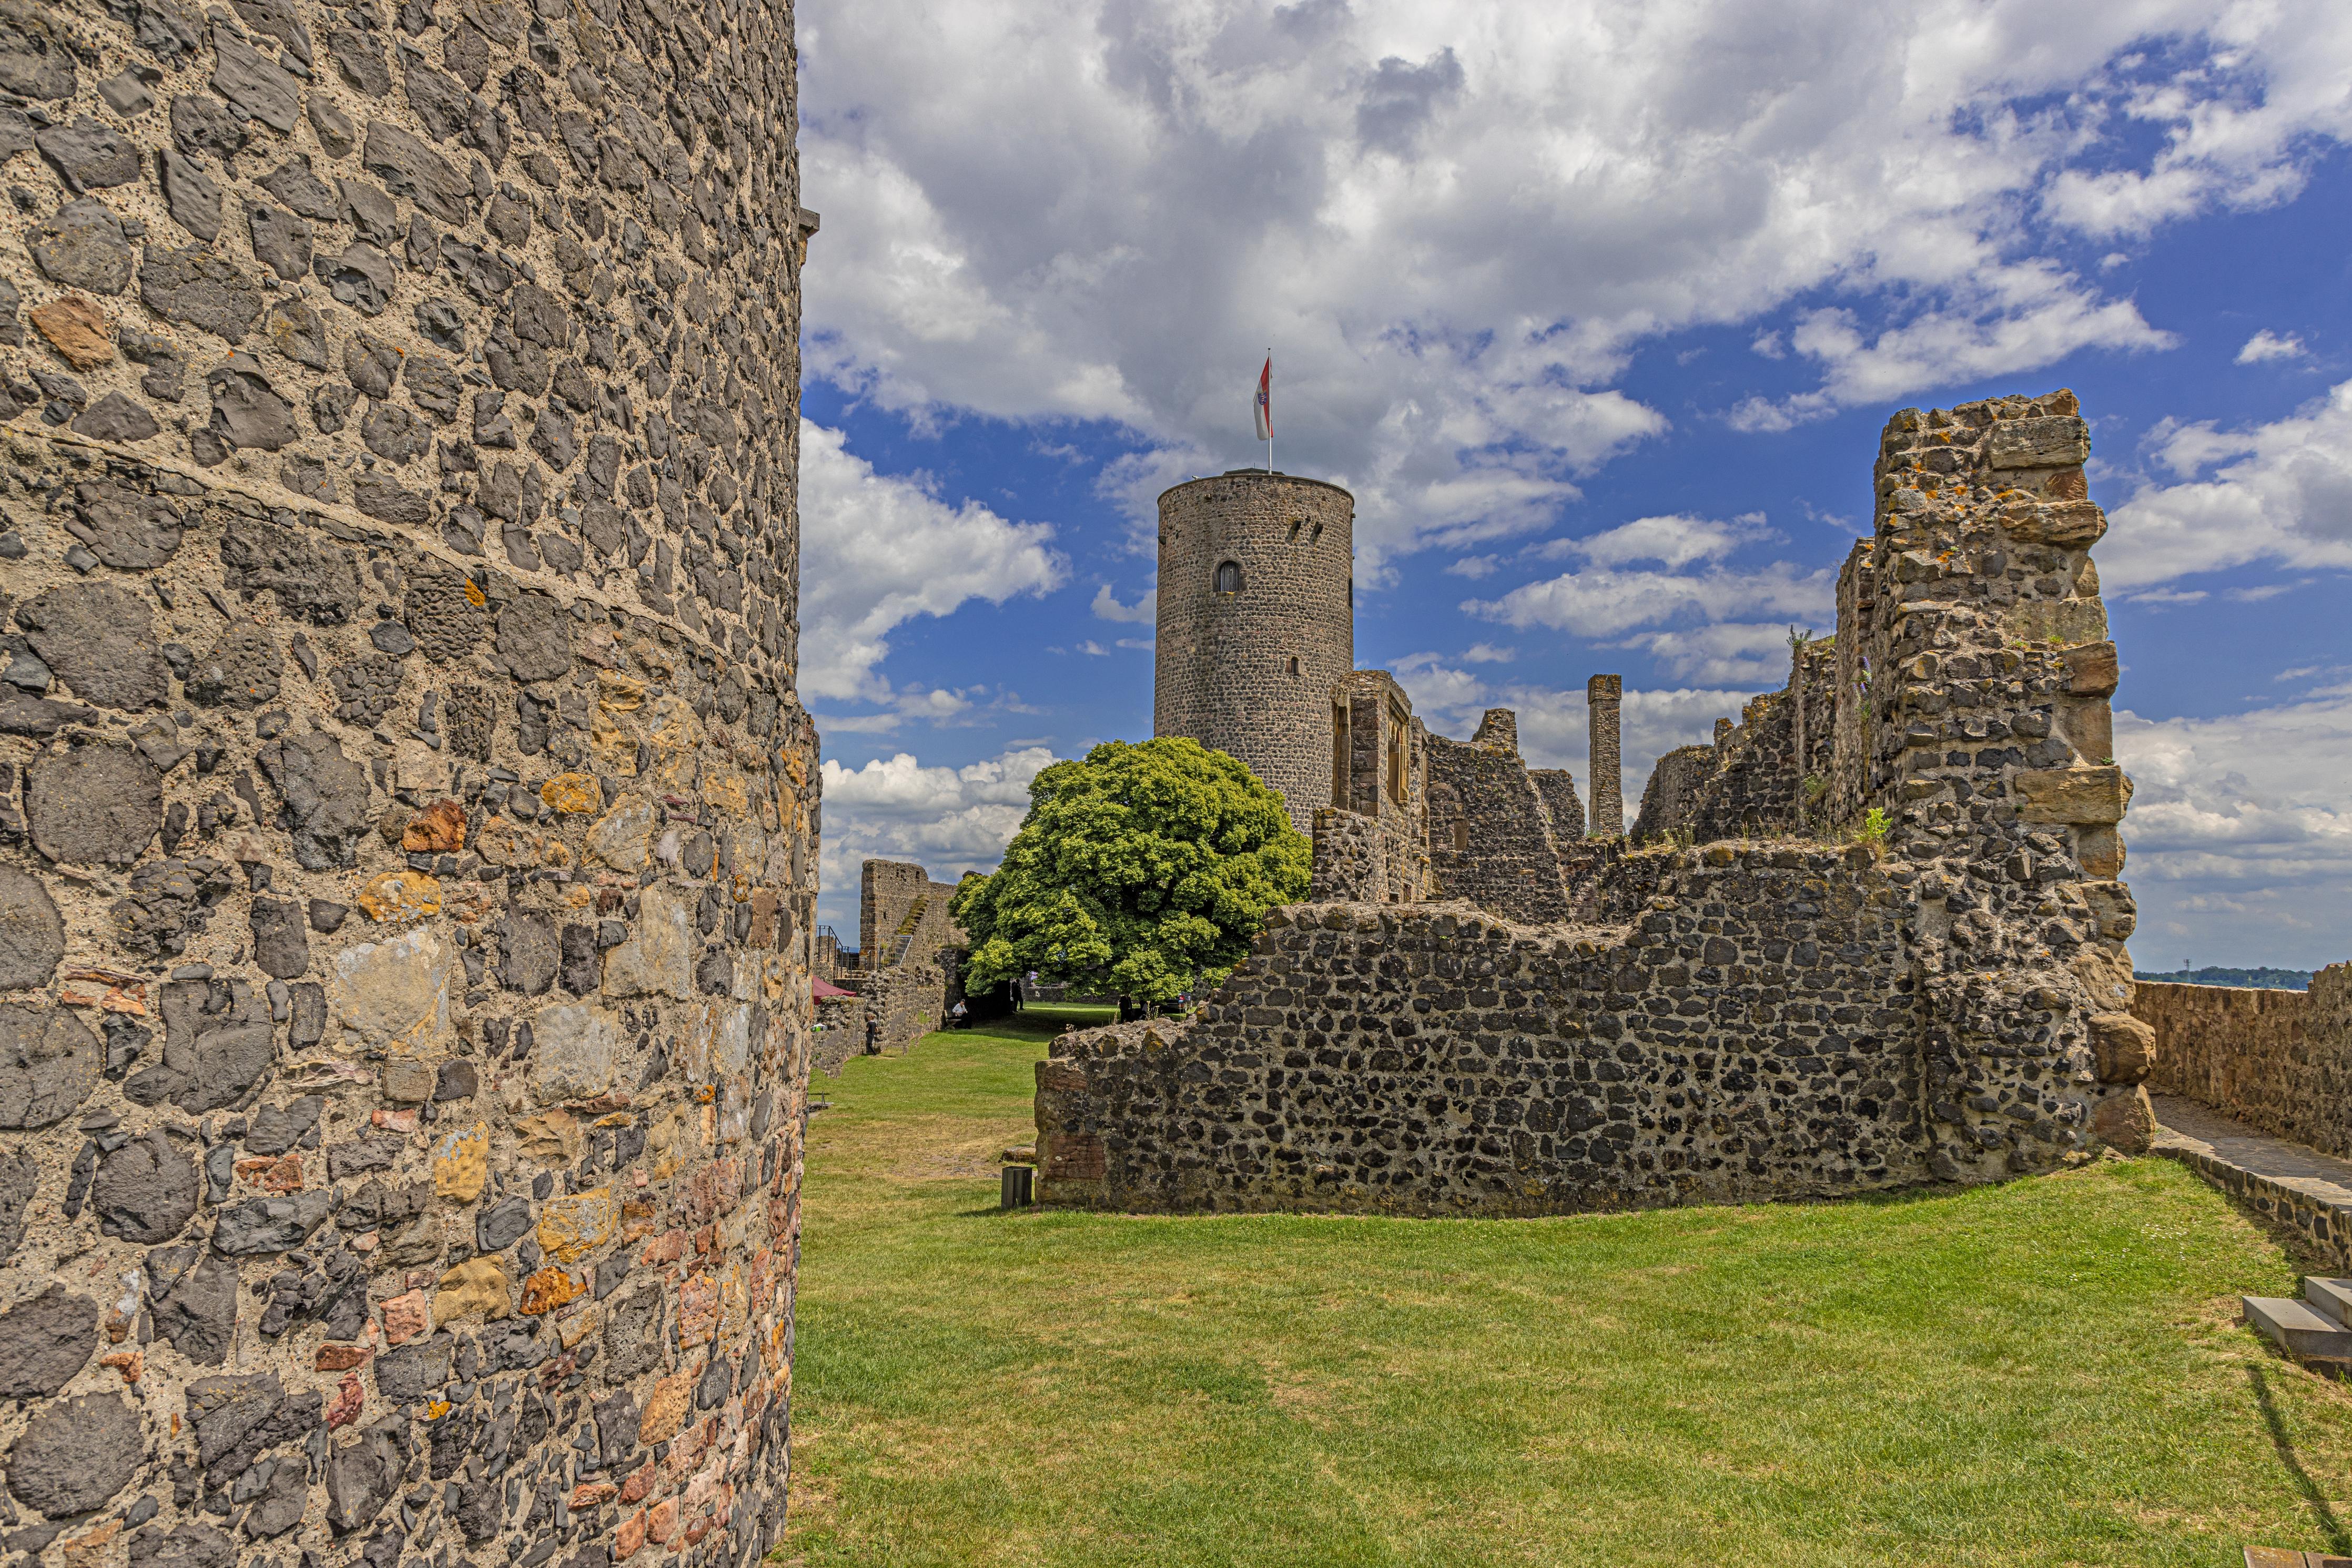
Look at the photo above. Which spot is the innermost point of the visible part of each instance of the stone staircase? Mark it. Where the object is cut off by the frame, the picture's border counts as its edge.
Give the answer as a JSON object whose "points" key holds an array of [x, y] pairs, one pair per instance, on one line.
{"points": [[2316, 1328]]}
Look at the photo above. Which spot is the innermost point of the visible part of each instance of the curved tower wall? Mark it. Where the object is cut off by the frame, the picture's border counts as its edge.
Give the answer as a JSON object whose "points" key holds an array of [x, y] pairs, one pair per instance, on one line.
{"points": [[408, 824], [1251, 671]]}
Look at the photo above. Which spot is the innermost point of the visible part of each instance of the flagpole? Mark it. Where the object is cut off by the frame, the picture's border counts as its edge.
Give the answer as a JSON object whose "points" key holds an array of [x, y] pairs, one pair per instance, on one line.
{"points": [[1269, 408]]}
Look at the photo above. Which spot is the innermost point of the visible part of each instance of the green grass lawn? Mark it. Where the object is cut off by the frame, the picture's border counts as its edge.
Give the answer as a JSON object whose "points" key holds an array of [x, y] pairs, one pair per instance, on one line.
{"points": [[2048, 1371]]}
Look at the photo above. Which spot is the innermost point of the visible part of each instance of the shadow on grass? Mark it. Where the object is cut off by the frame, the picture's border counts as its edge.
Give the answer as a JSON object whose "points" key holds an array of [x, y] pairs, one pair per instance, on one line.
{"points": [[2337, 1541]]}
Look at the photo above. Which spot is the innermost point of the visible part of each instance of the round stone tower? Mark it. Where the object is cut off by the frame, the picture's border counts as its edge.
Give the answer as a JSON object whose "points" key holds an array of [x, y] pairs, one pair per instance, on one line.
{"points": [[1256, 623]]}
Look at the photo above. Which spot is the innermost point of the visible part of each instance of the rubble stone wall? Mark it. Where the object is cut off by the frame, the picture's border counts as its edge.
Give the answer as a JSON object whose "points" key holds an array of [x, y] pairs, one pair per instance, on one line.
{"points": [[1939, 992], [2280, 1061], [407, 826], [1748, 1038]]}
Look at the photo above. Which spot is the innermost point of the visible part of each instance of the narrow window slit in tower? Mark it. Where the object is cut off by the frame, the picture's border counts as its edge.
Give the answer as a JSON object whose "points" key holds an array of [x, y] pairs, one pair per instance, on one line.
{"points": [[1229, 578]]}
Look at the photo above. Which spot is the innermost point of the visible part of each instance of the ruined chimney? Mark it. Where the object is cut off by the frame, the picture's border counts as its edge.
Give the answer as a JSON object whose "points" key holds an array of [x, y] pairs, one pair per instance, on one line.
{"points": [[1602, 695], [1498, 731]]}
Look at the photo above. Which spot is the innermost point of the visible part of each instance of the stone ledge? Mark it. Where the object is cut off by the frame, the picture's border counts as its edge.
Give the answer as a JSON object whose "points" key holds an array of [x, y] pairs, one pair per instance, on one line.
{"points": [[2290, 1184]]}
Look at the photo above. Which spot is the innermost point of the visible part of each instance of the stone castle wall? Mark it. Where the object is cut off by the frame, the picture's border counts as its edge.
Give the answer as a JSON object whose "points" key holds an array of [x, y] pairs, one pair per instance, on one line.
{"points": [[1437, 1060], [1252, 673], [407, 827], [2279, 1060], [1944, 1000], [1556, 786], [910, 964], [1490, 836]]}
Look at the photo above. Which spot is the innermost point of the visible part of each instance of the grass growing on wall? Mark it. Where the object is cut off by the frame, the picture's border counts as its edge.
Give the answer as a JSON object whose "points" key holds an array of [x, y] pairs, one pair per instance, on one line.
{"points": [[2046, 1371]]}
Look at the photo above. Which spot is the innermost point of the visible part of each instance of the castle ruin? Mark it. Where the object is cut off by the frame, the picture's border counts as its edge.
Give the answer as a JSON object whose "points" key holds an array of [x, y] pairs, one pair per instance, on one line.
{"points": [[908, 970], [1879, 940], [408, 825]]}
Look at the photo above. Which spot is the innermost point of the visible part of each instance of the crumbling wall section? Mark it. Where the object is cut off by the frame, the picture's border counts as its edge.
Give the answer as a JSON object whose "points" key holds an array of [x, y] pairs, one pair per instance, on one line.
{"points": [[1555, 787], [1749, 1037], [1490, 840], [1669, 810], [2280, 1061], [407, 830]]}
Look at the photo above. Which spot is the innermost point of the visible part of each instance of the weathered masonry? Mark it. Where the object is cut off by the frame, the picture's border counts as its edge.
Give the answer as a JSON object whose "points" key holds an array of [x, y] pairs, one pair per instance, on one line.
{"points": [[1256, 623], [407, 825], [2280, 1061], [1892, 952], [910, 968]]}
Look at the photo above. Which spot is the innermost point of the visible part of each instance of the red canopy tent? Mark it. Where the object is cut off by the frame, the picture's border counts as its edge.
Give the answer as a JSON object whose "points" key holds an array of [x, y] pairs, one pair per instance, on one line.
{"points": [[825, 988]]}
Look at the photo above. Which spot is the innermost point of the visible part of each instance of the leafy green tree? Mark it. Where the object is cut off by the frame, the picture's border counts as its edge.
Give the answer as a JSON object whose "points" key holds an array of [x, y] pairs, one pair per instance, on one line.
{"points": [[1146, 869]]}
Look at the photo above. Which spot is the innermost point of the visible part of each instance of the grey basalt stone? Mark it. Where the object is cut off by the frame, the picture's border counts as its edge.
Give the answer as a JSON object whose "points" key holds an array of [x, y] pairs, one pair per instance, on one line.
{"points": [[100, 803], [280, 1508], [534, 637], [99, 641], [411, 169], [34, 60], [435, 386], [203, 127], [267, 1225], [87, 156], [362, 276], [32, 933], [194, 1292], [281, 241], [386, 501], [115, 417], [49, 1061], [364, 1473], [443, 106], [277, 1128], [359, 61], [528, 953], [20, 1179], [327, 794], [125, 530], [373, 216], [253, 84], [218, 1045], [240, 671], [75, 1455], [372, 365], [313, 578], [81, 246], [201, 288], [281, 948], [295, 330], [302, 191], [247, 412], [395, 434], [145, 1191], [227, 1409], [502, 1224], [187, 1546], [44, 1342], [633, 1336]]}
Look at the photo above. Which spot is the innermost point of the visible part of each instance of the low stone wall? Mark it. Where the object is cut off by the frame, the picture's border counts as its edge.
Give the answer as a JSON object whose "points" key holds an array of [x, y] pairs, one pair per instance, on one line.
{"points": [[1431, 1059], [2280, 1061]]}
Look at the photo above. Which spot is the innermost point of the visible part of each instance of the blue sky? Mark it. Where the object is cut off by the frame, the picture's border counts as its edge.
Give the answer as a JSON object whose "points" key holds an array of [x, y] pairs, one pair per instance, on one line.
{"points": [[1599, 312]]}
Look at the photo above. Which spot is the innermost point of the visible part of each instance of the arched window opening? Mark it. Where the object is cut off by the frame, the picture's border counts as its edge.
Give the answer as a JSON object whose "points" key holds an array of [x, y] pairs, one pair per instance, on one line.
{"points": [[1294, 530], [1461, 834], [1229, 577], [1293, 664]]}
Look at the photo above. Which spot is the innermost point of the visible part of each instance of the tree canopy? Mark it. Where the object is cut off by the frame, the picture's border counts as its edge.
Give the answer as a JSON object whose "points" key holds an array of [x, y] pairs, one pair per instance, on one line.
{"points": [[1146, 869]]}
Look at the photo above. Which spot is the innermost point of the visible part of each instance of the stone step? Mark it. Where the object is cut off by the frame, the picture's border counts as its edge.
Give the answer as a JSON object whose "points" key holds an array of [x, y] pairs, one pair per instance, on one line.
{"points": [[2330, 1299], [2299, 1330]]}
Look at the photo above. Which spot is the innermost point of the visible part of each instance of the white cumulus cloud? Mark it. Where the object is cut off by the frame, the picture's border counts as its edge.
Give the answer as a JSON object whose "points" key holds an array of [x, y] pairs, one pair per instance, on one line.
{"points": [[877, 551], [2279, 493], [1456, 220], [2266, 345], [947, 820]]}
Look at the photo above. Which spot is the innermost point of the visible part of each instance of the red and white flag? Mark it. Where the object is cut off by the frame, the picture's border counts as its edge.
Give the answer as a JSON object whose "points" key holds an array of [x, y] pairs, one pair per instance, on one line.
{"points": [[1266, 401]]}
